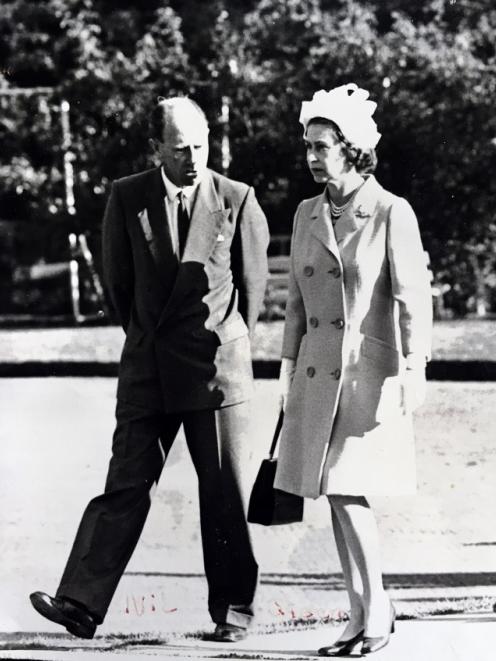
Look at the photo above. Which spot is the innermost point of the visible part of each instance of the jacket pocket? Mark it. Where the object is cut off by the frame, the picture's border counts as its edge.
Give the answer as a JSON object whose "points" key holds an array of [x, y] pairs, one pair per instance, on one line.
{"points": [[380, 352]]}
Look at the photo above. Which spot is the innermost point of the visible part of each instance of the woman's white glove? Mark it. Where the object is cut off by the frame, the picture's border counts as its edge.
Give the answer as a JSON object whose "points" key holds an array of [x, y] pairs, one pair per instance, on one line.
{"points": [[288, 368], [414, 389]]}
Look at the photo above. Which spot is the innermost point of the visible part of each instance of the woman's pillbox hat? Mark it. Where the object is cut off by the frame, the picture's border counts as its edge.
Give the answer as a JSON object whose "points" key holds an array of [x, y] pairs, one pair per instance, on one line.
{"points": [[348, 107]]}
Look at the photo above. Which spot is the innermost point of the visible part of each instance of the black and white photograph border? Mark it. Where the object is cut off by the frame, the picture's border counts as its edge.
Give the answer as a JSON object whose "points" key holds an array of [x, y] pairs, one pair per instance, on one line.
{"points": [[57, 401]]}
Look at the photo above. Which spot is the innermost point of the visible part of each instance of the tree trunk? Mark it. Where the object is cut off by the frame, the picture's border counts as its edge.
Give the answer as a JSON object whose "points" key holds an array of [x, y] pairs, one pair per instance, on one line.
{"points": [[480, 295]]}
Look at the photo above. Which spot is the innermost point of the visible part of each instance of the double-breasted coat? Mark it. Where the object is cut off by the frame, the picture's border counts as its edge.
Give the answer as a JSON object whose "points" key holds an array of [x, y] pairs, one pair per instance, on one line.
{"points": [[359, 304], [187, 322]]}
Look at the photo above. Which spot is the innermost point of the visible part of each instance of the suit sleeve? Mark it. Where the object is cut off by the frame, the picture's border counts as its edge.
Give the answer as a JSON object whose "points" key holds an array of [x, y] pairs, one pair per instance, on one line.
{"points": [[249, 259], [295, 323], [410, 282], [118, 269]]}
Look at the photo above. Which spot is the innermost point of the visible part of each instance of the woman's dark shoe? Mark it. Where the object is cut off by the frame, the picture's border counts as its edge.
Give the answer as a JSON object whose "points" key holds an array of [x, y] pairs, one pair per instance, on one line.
{"points": [[341, 647], [375, 643], [76, 619]]}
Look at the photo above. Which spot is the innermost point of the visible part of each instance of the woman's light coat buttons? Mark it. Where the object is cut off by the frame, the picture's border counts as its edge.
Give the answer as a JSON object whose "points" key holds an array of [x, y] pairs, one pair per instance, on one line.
{"points": [[336, 374], [309, 271]]}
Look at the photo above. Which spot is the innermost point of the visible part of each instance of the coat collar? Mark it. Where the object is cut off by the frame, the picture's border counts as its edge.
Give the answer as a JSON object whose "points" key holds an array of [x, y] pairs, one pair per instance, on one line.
{"points": [[207, 220], [154, 223], [359, 211], [322, 227], [354, 217]]}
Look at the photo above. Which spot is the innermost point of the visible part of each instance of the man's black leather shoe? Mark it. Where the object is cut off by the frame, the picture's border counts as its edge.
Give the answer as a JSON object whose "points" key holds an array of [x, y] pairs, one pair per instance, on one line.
{"points": [[226, 633], [76, 619]]}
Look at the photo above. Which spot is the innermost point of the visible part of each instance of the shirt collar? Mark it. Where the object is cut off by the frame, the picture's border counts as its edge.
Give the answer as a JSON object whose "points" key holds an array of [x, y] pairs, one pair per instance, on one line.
{"points": [[172, 190]]}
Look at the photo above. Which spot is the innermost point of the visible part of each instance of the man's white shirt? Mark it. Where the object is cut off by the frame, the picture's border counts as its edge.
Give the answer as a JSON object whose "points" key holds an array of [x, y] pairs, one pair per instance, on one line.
{"points": [[171, 201]]}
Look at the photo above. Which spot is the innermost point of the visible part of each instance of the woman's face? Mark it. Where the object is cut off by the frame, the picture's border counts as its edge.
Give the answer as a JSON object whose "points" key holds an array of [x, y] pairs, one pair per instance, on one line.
{"points": [[325, 156]]}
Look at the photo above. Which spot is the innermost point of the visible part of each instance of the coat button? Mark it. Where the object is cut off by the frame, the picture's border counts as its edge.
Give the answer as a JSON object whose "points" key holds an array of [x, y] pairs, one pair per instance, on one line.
{"points": [[310, 371], [308, 270], [314, 322], [336, 374], [338, 323], [336, 272]]}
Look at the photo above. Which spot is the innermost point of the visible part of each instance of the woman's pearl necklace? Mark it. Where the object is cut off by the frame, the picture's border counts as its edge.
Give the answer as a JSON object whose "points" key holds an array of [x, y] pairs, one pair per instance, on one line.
{"points": [[338, 210]]}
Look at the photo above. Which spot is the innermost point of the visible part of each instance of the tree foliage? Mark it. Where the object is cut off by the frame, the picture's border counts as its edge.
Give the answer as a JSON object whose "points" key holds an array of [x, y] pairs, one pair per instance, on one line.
{"points": [[430, 66]]}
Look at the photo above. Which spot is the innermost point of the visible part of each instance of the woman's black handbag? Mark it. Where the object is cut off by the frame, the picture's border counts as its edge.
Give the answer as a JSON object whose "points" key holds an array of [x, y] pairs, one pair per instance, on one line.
{"points": [[269, 506]]}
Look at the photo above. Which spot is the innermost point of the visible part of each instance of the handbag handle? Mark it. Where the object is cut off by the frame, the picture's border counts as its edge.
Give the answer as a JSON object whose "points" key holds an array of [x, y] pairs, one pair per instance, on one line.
{"points": [[276, 434]]}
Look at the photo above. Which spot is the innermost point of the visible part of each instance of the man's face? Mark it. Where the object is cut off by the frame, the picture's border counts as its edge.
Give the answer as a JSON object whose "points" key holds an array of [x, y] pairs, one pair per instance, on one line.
{"points": [[183, 149], [325, 157]]}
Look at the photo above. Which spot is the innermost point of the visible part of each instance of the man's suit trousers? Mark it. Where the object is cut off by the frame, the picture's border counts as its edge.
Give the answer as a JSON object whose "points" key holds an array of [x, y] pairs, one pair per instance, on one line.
{"points": [[112, 523]]}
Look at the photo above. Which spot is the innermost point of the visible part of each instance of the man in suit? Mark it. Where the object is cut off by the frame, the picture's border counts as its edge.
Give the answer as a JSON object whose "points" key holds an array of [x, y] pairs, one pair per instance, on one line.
{"points": [[184, 254]]}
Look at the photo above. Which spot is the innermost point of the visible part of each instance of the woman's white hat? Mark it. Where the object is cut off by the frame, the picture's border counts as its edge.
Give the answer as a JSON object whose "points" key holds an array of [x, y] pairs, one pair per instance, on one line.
{"points": [[348, 107]]}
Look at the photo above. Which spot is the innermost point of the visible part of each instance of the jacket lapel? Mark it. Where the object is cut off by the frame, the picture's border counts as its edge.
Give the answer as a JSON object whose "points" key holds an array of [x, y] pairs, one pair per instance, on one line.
{"points": [[322, 227], [153, 221], [207, 220]]}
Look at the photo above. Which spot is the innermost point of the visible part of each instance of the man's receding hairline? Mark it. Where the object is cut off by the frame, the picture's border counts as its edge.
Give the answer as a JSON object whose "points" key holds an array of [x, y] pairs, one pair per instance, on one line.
{"points": [[172, 105]]}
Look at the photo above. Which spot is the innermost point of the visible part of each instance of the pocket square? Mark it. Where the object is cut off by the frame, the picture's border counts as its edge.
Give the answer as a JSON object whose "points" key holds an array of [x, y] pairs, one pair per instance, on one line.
{"points": [[221, 238], [145, 224]]}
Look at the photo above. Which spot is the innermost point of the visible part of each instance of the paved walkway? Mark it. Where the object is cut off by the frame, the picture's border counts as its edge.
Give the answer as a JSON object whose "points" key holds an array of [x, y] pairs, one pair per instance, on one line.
{"points": [[455, 638], [439, 547]]}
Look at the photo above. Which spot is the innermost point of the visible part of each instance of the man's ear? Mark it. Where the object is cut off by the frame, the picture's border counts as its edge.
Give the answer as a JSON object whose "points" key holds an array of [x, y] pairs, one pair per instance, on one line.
{"points": [[153, 145]]}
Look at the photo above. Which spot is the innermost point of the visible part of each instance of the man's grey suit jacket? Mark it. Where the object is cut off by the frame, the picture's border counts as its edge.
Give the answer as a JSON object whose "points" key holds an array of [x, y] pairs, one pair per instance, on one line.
{"points": [[187, 323]]}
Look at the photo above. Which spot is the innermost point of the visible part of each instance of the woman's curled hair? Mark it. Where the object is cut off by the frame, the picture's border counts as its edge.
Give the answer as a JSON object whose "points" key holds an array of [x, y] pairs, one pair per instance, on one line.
{"points": [[365, 161]]}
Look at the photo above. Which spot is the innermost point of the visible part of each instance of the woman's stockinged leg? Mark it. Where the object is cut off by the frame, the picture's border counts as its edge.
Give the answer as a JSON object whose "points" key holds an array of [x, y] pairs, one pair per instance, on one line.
{"points": [[352, 581], [360, 535]]}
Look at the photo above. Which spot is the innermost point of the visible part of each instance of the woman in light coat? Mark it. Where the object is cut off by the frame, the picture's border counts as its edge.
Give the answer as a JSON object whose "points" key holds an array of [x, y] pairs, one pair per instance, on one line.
{"points": [[356, 342]]}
